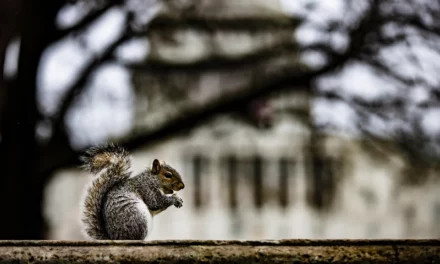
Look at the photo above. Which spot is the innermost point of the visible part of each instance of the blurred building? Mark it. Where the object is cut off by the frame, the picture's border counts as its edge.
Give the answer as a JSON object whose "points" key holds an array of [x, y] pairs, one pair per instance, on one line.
{"points": [[244, 182], [263, 172]]}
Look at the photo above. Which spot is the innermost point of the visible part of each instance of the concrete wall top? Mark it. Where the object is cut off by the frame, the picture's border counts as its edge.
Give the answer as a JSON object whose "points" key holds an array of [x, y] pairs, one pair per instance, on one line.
{"points": [[279, 251]]}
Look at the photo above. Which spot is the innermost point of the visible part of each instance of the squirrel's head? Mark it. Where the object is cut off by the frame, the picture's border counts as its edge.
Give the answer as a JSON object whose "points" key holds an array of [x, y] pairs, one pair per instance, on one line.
{"points": [[169, 178]]}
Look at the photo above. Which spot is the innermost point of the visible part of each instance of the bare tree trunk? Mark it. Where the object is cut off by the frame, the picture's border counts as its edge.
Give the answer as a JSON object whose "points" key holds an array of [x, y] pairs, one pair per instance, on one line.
{"points": [[9, 15], [21, 188]]}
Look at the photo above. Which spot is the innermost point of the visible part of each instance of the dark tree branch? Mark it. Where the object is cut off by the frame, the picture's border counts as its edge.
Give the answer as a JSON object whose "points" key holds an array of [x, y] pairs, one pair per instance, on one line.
{"points": [[86, 20], [58, 150], [416, 22], [167, 22], [80, 84], [376, 107], [321, 47], [215, 62], [290, 79], [385, 69], [285, 80]]}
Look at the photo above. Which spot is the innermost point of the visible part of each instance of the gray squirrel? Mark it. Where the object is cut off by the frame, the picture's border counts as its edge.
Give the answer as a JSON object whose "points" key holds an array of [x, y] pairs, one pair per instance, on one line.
{"points": [[120, 207]]}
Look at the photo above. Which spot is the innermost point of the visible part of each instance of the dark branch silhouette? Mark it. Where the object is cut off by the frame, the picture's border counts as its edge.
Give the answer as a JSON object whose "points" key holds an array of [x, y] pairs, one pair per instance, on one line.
{"points": [[86, 20]]}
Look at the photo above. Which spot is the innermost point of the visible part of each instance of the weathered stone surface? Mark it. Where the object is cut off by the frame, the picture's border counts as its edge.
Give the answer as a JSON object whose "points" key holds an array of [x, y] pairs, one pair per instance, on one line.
{"points": [[282, 251]]}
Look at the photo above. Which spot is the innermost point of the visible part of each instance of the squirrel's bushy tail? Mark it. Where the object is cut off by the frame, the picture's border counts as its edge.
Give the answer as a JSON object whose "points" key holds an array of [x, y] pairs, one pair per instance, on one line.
{"points": [[111, 164]]}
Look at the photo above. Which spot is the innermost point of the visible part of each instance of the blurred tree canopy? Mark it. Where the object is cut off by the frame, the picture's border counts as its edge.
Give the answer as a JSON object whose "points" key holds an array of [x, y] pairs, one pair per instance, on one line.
{"points": [[393, 39]]}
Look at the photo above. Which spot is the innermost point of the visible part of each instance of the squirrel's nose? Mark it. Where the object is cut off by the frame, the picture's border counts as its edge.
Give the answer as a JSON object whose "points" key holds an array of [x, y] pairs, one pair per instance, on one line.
{"points": [[181, 186]]}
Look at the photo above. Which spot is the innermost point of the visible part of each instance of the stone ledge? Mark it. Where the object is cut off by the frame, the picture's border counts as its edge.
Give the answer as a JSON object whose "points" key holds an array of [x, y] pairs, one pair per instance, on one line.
{"points": [[184, 251]]}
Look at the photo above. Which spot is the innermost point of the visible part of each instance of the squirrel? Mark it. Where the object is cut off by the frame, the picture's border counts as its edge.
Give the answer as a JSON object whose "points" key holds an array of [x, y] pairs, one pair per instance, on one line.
{"points": [[118, 206]]}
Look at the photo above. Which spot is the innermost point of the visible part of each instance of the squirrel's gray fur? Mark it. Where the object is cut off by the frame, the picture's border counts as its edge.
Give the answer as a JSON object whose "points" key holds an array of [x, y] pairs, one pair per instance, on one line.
{"points": [[120, 207]]}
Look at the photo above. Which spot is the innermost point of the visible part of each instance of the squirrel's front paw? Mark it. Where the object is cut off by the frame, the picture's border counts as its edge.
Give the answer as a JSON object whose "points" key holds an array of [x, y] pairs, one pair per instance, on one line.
{"points": [[178, 202]]}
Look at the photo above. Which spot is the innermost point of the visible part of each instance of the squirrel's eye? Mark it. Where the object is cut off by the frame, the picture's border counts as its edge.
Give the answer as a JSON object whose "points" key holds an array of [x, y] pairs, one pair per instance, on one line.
{"points": [[168, 175]]}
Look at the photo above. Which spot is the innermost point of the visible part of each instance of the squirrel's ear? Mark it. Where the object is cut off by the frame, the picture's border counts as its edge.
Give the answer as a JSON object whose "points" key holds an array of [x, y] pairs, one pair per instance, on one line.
{"points": [[156, 167]]}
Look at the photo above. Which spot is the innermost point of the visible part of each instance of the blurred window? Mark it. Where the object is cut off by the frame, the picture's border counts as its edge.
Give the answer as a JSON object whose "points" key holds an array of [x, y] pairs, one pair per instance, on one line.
{"points": [[286, 173], [322, 181], [258, 181], [200, 167], [231, 164]]}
